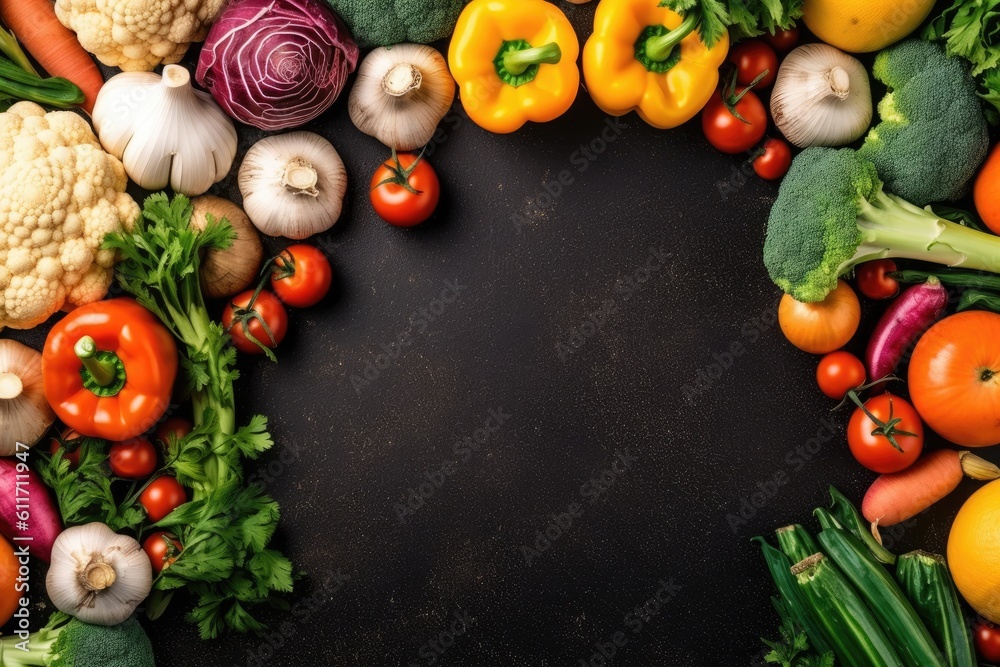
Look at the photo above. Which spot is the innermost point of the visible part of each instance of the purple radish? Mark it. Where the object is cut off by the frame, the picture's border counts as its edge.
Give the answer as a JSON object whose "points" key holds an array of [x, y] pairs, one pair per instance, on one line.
{"points": [[904, 321], [25, 501]]}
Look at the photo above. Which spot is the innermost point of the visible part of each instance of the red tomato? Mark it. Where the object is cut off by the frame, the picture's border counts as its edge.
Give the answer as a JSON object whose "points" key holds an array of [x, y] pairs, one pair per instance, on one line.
{"points": [[71, 451], [871, 279], [728, 133], [783, 40], [839, 372], [238, 321], [405, 191], [133, 459], [302, 275], [159, 550], [774, 162], [987, 638], [163, 495], [752, 57], [174, 428], [875, 451]]}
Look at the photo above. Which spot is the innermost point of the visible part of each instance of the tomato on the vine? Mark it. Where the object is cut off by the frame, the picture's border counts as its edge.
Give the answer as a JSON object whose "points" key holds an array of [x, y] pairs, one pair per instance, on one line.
{"points": [[163, 495], [259, 329], [405, 190], [301, 276], [774, 160], [872, 280], [752, 58], [162, 548], [133, 459], [783, 40], [71, 451], [891, 441], [839, 372], [734, 122]]}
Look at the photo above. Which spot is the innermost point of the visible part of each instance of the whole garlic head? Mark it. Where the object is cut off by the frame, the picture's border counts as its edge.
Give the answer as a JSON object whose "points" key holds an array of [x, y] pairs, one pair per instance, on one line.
{"points": [[164, 131]]}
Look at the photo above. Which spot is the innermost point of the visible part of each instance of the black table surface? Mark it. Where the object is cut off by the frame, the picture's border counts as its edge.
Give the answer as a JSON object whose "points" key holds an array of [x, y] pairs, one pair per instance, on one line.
{"points": [[592, 413]]}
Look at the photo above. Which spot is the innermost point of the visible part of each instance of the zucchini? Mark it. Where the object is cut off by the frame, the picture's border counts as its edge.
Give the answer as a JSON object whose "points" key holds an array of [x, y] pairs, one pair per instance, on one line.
{"points": [[796, 542], [850, 518], [856, 638], [781, 572], [903, 625], [925, 580]]}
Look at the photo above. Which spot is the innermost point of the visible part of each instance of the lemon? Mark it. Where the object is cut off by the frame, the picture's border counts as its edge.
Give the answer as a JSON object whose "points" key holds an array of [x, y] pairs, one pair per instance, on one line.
{"points": [[860, 26], [974, 551]]}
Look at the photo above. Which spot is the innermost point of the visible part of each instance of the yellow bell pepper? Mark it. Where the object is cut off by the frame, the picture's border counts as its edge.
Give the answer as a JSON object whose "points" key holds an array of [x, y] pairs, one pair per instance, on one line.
{"points": [[514, 61], [645, 58]]}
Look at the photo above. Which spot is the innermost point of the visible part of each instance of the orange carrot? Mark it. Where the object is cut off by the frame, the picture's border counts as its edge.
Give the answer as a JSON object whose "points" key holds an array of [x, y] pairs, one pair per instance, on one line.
{"points": [[897, 496], [53, 45]]}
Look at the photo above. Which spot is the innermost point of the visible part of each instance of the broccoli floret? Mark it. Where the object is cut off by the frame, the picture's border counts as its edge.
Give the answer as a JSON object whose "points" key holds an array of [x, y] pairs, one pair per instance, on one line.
{"points": [[831, 213], [68, 642], [933, 135], [387, 22]]}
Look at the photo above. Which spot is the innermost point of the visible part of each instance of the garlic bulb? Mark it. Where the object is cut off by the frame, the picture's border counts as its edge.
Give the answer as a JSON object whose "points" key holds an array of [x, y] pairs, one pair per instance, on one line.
{"points": [[25, 415], [96, 575], [401, 94], [293, 185], [165, 131], [821, 97]]}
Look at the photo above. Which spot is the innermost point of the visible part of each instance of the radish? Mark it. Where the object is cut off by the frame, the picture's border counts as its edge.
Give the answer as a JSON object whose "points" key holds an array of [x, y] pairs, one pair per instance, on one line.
{"points": [[904, 321], [25, 500], [897, 496]]}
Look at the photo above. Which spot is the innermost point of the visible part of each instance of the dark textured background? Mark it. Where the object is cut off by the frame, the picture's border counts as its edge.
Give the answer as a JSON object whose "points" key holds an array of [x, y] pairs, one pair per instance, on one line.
{"points": [[344, 459]]}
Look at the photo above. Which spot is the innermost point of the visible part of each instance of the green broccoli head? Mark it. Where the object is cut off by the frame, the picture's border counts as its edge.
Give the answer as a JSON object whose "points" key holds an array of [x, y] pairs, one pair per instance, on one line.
{"points": [[67, 642], [387, 22], [933, 135], [812, 230]]}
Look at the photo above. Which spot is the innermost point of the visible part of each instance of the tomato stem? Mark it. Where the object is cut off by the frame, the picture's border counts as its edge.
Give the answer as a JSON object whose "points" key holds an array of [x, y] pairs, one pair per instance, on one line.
{"points": [[886, 429], [400, 175], [731, 98]]}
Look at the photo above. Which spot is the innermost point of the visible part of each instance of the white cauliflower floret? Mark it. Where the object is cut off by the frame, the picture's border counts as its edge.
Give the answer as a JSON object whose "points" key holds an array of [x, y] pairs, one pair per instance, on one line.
{"points": [[60, 194], [138, 35]]}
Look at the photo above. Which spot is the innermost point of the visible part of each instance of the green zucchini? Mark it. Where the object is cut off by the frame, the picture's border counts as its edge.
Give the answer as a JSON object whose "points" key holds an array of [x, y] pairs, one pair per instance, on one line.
{"points": [[781, 572], [925, 579], [901, 622], [796, 542], [852, 521], [856, 638]]}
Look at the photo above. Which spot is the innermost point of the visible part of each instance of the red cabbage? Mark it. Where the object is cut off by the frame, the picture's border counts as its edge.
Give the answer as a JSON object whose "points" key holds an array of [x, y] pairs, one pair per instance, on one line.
{"points": [[276, 64]]}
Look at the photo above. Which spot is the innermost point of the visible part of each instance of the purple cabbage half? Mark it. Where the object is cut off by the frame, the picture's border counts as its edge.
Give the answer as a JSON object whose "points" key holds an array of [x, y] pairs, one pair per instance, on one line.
{"points": [[276, 64]]}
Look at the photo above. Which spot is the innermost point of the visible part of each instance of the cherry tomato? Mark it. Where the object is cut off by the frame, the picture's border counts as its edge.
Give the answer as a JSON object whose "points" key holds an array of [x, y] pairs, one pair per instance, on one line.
{"points": [[302, 275], [783, 40], [871, 279], [987, 638], [774, 162], [163, 495], [874, 450], [728, 133], [133, 459], [751, 58], [174, 428], [159, 550], [839, 372], [71, 451], [405, 191], [238, 321]]}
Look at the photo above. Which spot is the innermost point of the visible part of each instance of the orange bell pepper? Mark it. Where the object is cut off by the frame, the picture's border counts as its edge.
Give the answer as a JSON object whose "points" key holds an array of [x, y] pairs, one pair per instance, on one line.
{"points": [[108, 369], [514, 61], [646, 58]]}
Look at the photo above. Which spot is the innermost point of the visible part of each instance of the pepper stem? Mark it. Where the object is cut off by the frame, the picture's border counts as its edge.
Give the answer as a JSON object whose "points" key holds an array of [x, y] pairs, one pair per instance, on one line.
{"points": [[661, 47], [10, 386], [103, 371], [518, 62]]}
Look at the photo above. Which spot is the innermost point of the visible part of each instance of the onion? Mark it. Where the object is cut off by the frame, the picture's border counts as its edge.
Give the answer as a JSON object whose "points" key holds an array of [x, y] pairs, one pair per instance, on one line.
{"points": [[228, 272], [276, 64], [25, 415]]}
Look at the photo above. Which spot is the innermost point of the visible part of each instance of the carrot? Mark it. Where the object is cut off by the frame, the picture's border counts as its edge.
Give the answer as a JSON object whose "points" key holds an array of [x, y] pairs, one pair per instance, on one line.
{"points": [[897, 496], [986, 192], [53, 45]]}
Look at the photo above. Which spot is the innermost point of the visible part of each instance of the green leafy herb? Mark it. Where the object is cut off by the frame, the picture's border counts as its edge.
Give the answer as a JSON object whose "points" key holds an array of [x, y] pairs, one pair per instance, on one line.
{"points": [[792, 649], [743, 18]]}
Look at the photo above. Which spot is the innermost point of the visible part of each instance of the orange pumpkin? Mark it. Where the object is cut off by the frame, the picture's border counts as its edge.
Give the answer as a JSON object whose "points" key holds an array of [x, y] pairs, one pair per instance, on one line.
{"points": [[954, 378]]}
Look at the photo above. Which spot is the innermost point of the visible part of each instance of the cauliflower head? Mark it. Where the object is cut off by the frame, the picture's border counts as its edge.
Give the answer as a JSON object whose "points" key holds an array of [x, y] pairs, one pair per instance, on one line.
{"points": [[60, 194], [138, 35]]}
